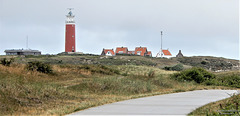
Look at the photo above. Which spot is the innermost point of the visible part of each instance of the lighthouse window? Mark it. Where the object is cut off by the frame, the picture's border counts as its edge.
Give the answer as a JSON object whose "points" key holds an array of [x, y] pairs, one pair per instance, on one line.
{"points": [[73, 36]]}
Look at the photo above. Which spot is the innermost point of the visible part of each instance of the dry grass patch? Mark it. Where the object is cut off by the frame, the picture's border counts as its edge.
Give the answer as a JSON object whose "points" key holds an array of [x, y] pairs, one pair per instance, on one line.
{"points": [[76, 87], [226, 107]]}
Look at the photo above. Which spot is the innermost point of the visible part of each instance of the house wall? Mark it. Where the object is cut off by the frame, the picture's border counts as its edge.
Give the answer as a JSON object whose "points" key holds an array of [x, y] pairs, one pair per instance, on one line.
{"points": [[23, 53], [109, 54]]}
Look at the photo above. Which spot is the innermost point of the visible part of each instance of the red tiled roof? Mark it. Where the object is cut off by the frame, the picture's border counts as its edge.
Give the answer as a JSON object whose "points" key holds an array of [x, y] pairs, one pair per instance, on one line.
{"points": [[149, 53], [123, 49], [166, 53], [142, 49], [110, 50]]}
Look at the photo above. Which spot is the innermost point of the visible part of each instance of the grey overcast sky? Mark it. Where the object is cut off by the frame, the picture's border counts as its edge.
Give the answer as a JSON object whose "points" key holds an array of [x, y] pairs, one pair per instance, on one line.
{"points": [[197, 27]]}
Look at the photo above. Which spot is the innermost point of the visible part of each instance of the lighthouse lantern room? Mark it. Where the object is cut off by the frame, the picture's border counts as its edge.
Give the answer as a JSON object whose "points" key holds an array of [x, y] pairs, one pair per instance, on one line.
{"points": [[70, 32]]}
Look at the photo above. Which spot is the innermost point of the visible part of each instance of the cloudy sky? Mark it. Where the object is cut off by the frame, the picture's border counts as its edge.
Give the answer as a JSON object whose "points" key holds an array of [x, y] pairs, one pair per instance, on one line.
{"points": [[197, 27]]}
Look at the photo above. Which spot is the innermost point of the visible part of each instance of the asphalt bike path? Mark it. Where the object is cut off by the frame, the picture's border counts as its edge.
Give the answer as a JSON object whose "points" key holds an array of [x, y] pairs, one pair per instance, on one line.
{"points": [[168, 104]]}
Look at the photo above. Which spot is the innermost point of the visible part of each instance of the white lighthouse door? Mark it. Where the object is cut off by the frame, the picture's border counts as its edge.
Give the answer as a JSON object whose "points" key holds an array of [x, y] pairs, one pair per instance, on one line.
{"points": [[73, 49]]}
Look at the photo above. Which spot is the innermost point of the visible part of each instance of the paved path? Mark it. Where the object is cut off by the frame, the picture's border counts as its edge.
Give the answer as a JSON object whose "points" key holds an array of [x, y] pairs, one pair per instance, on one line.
{"points": [[168, 104]]}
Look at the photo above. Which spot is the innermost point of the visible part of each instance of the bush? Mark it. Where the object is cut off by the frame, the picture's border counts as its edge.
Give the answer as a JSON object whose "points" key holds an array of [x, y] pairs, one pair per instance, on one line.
{"points": [[40, 67], [6, 62], [232, 80], [178, 67], [196, 74]]}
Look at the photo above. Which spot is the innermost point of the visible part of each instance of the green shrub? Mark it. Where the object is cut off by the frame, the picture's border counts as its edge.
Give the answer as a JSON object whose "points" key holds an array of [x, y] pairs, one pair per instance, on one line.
{"points": [[178, 67], [40, 67], [204, 62], [6, 62], [196, 74], [167, 68], [232, 80]]}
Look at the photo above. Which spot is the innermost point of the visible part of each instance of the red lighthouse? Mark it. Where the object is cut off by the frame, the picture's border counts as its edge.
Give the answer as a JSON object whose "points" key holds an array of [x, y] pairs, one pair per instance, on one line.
{"points": [[70, 33]]}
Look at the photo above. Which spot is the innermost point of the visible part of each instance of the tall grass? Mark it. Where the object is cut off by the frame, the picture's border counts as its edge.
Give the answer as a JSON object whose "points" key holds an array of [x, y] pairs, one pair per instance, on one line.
{"points": [[115, 85], [76, 87], [226, 107]]}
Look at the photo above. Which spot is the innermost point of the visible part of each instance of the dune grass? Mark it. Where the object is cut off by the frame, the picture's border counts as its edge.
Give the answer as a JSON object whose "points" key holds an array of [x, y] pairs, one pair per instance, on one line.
{"points": [[72, 88], [226, 107]]}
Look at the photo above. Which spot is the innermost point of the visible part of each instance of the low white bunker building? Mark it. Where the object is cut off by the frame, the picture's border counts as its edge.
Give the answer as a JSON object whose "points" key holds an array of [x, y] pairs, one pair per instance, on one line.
{"points": [[22, 52]]}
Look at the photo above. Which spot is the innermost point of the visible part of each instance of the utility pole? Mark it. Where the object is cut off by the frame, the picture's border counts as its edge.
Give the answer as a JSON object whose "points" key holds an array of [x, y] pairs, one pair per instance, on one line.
{"points": [[27, 42], [160, 52], [161, 43]]}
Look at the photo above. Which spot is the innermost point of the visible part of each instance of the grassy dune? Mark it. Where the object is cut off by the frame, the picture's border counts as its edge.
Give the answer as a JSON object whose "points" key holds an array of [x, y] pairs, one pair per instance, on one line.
{"points": [[80, 82], [229, 106], [74, 87], [226, 107]]}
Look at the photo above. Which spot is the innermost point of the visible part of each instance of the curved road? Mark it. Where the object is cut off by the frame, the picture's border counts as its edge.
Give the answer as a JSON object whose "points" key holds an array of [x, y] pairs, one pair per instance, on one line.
{"points": [[168, 104]]}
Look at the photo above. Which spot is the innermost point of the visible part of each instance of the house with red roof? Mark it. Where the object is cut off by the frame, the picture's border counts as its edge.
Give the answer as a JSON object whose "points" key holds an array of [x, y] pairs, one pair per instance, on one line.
{"points": [[107, 52], [166, 53], [121, 50], [141, 51], [149, 53]]}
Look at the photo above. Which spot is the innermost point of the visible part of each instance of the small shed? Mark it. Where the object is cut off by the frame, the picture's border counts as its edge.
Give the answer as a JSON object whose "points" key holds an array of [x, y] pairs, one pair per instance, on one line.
{"points": [[179, 55]]}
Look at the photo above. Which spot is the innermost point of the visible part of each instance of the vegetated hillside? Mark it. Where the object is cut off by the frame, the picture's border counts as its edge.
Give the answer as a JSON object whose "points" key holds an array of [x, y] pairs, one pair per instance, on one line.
{"points": [[93, 59], [226, 107], [71, 88], [207, 62], [79, 82], [211, 63]]}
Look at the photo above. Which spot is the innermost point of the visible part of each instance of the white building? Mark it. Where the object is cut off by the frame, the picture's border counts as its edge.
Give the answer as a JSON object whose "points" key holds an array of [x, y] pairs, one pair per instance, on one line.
{"points": [[22, 52]]}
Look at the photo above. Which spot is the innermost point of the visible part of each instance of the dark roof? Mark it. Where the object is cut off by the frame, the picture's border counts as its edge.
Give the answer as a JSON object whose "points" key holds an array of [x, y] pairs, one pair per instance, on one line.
{"points": [[21, 50]]}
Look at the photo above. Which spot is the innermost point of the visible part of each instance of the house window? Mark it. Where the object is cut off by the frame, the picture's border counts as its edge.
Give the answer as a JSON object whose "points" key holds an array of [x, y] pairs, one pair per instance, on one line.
{"points": [[108, 52], [120, 52], [139, 52]]}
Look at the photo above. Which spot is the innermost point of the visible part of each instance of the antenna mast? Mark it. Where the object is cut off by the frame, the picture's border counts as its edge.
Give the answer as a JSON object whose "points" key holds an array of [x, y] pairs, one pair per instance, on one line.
{"points": [[161, 43], [160, 52], [70, 8], [27, 42]]}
